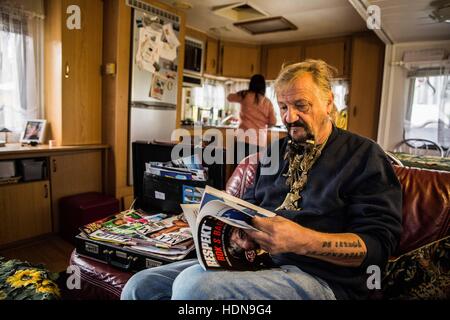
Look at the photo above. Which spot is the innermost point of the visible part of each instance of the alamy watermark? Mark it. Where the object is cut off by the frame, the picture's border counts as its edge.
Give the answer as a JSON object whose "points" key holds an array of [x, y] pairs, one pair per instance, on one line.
{"points": [[374, 280], [74, 279], [225, 140], [73, 21], [373, 20]]}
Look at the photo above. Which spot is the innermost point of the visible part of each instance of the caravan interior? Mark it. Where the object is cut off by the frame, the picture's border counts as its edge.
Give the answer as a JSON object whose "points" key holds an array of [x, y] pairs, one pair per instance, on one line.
{"points": [[97, 96]]}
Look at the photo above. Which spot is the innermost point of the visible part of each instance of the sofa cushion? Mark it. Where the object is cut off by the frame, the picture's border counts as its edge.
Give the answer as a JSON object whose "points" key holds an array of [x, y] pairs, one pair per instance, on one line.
{"points": [[243, 176], [426, 206], [423, 273], [99, 281]]}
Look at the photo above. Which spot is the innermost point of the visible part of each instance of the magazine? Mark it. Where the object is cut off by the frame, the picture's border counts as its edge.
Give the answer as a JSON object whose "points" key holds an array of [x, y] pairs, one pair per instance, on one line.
{"points": [[188, 168], [218, 225], [160, 234]]}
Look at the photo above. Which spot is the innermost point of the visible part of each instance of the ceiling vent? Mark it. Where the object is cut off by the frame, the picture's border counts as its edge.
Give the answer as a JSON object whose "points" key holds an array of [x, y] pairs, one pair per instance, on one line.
{"points": [[239, 11], [266, 25], [441, 12]]}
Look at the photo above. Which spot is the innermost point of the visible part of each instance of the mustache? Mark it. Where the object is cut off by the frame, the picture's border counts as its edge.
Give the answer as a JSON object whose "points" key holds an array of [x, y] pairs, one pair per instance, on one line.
{"points": [[297, 124]]}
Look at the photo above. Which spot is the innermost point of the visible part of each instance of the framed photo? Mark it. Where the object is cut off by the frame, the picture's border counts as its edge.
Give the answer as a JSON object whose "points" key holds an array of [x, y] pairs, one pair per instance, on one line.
{"points": [[34, 131]]}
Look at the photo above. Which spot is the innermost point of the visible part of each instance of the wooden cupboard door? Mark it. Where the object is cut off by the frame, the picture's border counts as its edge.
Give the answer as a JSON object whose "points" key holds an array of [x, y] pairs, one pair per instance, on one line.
{"points": [[278, 56], [365, 87], [231, 64], [25, 211], [82, 83], [240, 61], [333, 52], [73, 174], [212, 53], [250, 61]]}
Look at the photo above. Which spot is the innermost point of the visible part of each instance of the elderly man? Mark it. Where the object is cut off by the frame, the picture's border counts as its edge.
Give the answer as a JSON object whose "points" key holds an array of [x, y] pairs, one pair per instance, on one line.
{"points": [[338, 205]]}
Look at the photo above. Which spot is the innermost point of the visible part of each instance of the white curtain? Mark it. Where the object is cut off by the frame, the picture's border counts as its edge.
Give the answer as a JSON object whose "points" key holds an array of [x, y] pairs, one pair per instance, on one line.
{"points": [[233, 87], [444, 112], [210, 95], [21, 34], [428, 116]]}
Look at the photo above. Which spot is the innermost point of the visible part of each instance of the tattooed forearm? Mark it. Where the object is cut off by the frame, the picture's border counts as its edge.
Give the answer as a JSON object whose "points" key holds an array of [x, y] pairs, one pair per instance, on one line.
{"points": [[343, 249]]}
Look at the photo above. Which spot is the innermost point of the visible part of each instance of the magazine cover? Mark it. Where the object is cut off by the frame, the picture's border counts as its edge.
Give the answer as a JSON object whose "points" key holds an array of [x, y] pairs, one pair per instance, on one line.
{"points": [[218, 224]]}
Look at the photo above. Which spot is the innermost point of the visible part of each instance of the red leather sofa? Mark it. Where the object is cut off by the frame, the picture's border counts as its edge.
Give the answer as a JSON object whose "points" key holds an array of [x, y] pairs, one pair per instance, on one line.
{"points": [[426, 218]]}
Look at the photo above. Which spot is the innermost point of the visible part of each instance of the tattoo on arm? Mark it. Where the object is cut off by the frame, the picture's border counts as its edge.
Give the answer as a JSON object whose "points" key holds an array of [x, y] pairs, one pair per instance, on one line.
{"points": [[339, 255], [342, 244], [354, 254]]}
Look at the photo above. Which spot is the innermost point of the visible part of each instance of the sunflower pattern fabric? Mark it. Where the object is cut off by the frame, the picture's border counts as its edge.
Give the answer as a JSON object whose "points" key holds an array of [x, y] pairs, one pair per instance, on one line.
{"points": [[23, 281]]}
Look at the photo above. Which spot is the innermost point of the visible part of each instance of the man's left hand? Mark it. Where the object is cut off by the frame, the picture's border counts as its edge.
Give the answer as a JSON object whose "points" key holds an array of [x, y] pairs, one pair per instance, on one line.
{"points": [[279, 235]]}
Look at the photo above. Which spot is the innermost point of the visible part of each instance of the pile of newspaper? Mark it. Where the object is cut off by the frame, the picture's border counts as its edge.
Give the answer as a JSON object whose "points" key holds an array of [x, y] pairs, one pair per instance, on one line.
{"points": [[160, 234], [188, 168]]}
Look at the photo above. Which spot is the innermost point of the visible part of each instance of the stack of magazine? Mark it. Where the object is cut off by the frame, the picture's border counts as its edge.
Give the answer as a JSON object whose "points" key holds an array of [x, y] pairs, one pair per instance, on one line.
{"points": [[161, 235], [188, 168]]}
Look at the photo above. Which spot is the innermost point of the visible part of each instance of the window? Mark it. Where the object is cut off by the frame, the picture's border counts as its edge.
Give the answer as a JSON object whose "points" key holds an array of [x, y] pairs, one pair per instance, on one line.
{"points": [[21, 34], [428, 113], [270, 93], [210, 95]]}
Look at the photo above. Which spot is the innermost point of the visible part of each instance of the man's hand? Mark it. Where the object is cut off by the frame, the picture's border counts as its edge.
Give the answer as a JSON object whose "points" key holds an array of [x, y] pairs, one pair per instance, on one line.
{"points": [[279, 235]]}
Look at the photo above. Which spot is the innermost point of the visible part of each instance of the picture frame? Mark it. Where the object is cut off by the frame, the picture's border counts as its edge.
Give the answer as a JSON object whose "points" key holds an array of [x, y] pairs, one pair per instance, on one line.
{"points": [[34, 131]]}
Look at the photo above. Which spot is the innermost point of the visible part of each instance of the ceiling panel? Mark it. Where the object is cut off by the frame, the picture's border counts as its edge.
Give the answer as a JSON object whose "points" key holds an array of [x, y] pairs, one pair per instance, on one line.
{"points": [[314, 19], [407, 20]]}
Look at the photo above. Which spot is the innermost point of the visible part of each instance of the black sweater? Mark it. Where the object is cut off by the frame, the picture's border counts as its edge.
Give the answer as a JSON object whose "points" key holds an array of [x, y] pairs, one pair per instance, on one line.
{"points": [[351, 188]]}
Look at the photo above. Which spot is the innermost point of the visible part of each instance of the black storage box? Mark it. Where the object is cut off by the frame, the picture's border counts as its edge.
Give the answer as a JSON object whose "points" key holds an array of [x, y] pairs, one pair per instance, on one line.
{"points": [[148, 191], [32, 169], [151, 192], [166, 194]]}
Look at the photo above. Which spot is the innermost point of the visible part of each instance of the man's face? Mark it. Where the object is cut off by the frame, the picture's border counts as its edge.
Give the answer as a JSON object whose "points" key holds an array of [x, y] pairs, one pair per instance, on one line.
{"points": [[303, 109]]}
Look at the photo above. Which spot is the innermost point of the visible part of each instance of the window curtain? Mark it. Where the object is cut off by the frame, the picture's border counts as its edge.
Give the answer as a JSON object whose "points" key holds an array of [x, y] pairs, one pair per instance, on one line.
{"points": [[431, 87], [210, 95], [21, 36], [444, 112], [233, 87]]}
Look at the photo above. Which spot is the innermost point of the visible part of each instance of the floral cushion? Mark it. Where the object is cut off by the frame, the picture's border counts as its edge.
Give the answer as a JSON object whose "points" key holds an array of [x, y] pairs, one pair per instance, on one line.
{"points": [[23, 281], [423, 273]]}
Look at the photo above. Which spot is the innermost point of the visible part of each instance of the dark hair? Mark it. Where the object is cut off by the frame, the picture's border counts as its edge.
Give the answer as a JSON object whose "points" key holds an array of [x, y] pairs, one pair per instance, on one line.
{"points": [[257, 86]]}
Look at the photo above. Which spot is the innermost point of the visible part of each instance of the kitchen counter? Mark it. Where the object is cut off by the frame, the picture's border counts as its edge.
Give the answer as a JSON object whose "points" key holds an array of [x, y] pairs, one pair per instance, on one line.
{"points": [[206, 127], [227, 131]]}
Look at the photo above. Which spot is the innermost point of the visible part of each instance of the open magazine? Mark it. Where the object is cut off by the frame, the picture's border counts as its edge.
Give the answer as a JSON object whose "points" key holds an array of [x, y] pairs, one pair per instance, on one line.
{"points": [[217, 225]]}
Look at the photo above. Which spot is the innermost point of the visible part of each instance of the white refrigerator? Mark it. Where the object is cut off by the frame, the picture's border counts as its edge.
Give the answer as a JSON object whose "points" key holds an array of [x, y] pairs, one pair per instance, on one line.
{"points": [[151, 118]]}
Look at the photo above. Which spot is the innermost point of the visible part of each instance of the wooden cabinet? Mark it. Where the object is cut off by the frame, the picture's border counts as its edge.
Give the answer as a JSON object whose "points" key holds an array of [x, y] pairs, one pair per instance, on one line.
{"points": [[212, 55], [73, 81], [365, 85], [239, 60], [276, 57], [24, 211], [30, 209], [72, 174], [333, 51]]}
